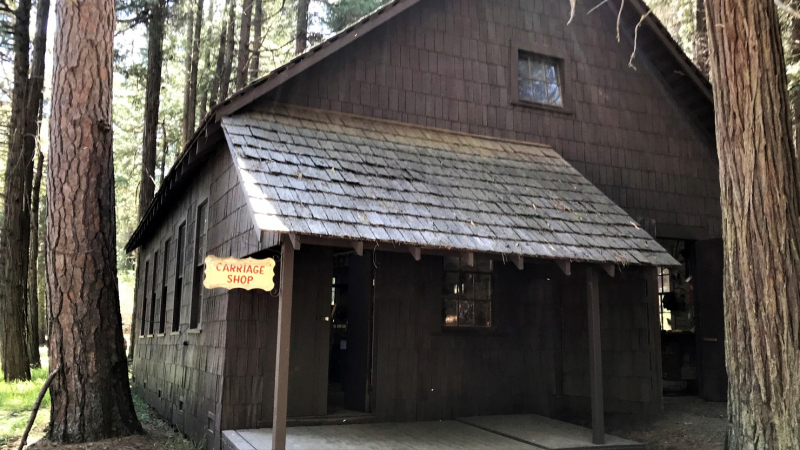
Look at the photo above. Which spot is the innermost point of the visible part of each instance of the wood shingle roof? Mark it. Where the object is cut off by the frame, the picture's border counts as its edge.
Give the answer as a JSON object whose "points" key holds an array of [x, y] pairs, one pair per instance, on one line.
{"points": [[330, 174]]}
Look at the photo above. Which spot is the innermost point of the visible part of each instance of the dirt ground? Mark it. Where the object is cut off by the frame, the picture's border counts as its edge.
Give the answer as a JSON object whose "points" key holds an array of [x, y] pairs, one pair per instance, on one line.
{"points": [[688, 423], [158, 436]]}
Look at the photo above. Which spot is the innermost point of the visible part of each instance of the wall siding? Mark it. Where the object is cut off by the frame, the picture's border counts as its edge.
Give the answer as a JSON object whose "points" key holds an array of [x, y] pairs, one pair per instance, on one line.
{"points": [[446, 64], [188, 366]]}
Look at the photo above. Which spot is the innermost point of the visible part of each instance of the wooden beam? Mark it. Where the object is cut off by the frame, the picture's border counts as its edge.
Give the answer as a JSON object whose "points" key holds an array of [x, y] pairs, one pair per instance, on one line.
{"points": [[468, 258], [295, 240], [565, 266], [416, 252], [609, 269], [358, 246], [595, 356], [519, 261], [284, 342]]}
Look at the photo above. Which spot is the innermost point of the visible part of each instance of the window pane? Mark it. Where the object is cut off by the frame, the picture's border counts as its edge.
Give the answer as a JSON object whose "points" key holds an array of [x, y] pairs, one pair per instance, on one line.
{"points": [[451, 284], [450, 313], [466, 313], [483, 314], [539, 92], [553, 94], [538, 71], [483, 283], [468, 284], [552, 76]]}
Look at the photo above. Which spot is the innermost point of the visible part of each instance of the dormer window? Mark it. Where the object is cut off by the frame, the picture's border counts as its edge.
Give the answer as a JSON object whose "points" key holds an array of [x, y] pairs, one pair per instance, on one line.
{"points": [[539, 79]]}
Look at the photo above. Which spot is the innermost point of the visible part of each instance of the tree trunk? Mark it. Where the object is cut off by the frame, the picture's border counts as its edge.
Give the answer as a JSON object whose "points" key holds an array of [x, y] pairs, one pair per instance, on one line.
{"points": [[155, 59], [258, 24], [190, 107], [225, 80], [33, 117], [701, 38], [244, 45], [15, 235], [301, 39], [90, 396], [33, 265], [220, 63], [164, 149], [760, 198], [186, 133]]}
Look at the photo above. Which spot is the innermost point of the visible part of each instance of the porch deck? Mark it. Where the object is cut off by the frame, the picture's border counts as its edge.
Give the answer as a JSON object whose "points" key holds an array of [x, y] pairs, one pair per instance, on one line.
{"points": [[518, 432]]}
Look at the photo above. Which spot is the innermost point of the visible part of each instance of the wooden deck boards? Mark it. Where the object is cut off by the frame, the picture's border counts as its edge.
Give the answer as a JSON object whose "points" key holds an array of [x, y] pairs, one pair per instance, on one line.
{"points": [[546, 433], [525, 432]]}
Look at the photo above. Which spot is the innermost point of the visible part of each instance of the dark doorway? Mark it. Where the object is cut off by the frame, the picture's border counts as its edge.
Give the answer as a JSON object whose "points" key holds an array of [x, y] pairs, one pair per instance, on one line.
{"points": [[713, 379], [349, 373]]}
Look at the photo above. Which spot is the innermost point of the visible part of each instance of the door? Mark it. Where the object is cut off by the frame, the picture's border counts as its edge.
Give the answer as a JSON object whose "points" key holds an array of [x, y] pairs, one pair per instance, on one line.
{"points": [[359, 314], [710, 321], [308, 359]]}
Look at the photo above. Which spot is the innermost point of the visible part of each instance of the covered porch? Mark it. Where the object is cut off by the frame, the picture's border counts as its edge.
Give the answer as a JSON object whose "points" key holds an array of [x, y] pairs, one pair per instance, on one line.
{"points": [[515, 432]]}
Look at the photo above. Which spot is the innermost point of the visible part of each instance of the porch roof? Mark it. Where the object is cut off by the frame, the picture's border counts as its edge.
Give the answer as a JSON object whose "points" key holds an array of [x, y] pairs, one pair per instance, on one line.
{"points": [[330, 174]]}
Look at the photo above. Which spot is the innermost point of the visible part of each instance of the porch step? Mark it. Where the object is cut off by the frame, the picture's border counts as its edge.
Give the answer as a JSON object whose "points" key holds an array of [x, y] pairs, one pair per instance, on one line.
{"points": [[349, 418]]}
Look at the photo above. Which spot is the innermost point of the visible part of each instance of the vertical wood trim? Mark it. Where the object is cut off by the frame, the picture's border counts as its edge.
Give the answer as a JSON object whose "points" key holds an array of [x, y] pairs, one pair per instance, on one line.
{"points": [[595, 356], [282, 349], [654, 324]]}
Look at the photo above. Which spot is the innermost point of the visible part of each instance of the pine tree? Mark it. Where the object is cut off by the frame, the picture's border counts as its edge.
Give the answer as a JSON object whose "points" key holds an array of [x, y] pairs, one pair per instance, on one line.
{"points": [[90, 394]]}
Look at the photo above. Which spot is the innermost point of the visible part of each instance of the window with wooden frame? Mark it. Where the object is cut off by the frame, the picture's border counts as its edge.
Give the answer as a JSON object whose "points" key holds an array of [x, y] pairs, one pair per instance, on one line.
{"points": [[199, 265], [162, 319], [143, 325], [539, 79], [467, 293], [152, 321], [180, 251]]}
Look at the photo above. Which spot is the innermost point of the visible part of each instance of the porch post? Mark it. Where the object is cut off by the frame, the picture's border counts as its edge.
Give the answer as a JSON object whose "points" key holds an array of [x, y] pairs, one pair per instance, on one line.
{"points": [[282, 349], [595, 356]]}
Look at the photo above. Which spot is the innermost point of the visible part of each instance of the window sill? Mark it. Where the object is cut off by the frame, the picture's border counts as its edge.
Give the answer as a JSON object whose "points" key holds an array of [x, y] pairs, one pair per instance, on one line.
{"points": [[161, 335], [532, 105], [175, 333], [195, 331]]}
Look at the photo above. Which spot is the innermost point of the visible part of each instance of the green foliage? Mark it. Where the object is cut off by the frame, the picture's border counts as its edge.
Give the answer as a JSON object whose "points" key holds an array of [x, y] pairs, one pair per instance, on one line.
{"points": [[679, 18], [16, 400], [342, 13]]}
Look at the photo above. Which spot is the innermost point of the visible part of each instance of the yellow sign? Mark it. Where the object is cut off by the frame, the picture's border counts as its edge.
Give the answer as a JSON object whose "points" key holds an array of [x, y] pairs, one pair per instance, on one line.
{"points": [[232, 273]]}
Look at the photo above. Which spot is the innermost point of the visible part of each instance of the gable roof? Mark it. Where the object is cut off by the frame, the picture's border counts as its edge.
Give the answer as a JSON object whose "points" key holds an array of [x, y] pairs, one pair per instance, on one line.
{"points": [[689, 87], [330, 174]]}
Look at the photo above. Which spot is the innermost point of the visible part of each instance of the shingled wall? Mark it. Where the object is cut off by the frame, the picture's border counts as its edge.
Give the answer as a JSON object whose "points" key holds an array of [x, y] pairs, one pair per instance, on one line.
{"points": [[446, 63], [187, 366]]}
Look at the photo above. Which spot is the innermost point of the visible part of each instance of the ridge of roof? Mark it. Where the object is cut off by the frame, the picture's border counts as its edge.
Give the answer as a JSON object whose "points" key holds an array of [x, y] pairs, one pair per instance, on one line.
{"points": [[209, 130]]}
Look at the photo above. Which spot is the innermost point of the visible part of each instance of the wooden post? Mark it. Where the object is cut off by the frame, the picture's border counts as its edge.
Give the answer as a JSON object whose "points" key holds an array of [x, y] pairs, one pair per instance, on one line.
{"points": [[282, 349], [595, 356]]}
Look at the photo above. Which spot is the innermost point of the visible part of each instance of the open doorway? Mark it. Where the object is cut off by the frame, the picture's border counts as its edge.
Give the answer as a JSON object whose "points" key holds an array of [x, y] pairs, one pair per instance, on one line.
{"points": [[350, 356]]}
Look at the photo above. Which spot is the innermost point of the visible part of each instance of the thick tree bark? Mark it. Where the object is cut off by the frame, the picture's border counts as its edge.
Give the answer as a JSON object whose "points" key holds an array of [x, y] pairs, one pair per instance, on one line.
{"points": [[760, 197], [187, 90], [301, 34], [164, 149], [258, 24], [225, 80], [90, 396], [15, 235], [243, 60], [701, 37], [33, 266], [155, 59]]}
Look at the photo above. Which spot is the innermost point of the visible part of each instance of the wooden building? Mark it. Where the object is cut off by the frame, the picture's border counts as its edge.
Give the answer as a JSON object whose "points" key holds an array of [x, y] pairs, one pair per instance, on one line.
{"points": [[462, 196]]}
